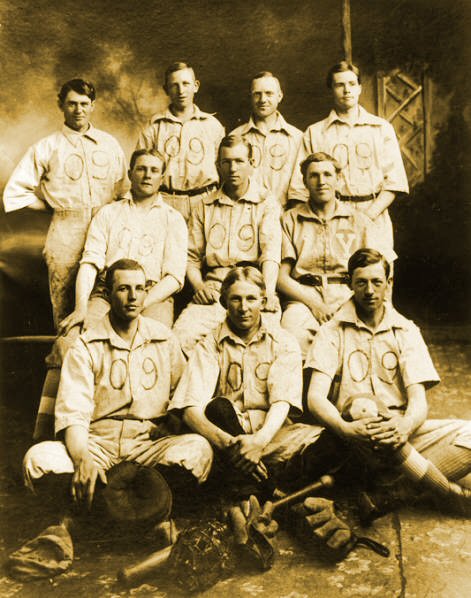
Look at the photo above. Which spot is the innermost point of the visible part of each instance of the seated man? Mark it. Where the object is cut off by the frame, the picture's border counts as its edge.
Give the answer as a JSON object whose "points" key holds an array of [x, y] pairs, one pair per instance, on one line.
{"points": [[318, 238], [243, 380], [115, 387], [140, 227], [369, 348], [239, 223]]}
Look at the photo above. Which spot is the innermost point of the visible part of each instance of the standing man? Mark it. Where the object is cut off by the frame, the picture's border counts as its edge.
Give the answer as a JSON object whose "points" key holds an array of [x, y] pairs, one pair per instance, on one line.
{"points": [[238, 223], [72, 173], [369, 348], [274, 142], [116, 383], [140, 227], [318, 238], [364, 145], [243, 382], [187, 138]]}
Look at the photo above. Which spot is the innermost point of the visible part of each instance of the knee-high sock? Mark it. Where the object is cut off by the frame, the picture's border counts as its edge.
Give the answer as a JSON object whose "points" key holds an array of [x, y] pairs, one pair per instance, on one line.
{"points": [[44, 425]]}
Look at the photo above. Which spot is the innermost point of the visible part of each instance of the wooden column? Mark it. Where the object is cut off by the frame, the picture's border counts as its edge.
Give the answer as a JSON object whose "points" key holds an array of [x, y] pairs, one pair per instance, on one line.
{"points": [[346, 31]]}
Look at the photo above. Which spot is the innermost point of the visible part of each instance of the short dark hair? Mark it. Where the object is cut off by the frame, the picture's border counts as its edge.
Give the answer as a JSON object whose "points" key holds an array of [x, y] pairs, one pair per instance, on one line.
{"points": [[79, 86], [341, 67], [233, 141], [319, 157], [248, 273], [123, 264], [263, 74], [174, 67], [146, 152], [365, 257]]}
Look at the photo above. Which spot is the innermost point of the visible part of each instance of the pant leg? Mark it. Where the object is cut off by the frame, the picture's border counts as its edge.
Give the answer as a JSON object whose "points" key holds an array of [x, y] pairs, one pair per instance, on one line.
{"points": [[289, 441], [297, 319], [162, 312], [195, 322]]}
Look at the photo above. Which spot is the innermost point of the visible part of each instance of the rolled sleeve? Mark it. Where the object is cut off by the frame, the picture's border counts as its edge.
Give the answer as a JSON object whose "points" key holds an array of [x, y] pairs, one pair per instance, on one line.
{"points": [[75, 396], [285, 376], [96, 244], [147, 138], [176, 248], [415, 362], [270, 232], [394, 174], [200, 377], [297, 189], [324, 353], [196, 237], [288, 251], [22, 189], [373, 238]]}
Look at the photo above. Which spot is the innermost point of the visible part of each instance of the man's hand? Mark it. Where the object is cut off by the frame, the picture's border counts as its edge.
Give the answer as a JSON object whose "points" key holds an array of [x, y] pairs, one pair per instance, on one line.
{"points": [[322, 313], [360, 430], [272, 303], [206, 295], [246, 454], [74, 319], [84, 480], [392, 431]]}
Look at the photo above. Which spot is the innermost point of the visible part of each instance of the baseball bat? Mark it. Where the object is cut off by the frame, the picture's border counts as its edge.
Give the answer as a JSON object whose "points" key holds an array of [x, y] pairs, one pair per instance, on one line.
{"points": [[151, 564]]}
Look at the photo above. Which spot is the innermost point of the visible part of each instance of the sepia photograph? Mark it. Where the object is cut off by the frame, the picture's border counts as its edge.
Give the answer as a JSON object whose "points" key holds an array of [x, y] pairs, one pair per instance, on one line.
{"points": [[235, 323]]}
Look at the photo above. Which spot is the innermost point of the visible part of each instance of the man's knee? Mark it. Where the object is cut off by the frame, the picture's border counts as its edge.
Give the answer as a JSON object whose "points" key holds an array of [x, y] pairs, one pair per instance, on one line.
{"points": [[199, 457], [43, 458]]}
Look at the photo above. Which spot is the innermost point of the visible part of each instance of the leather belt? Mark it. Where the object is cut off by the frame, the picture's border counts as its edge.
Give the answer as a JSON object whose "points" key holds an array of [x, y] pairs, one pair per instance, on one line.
{"points": [[359, 198], [189, 192], [316, 280]]}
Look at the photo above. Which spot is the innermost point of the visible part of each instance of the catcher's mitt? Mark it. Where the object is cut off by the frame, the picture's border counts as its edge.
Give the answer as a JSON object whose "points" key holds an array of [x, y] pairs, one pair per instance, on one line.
{"points": [[202, 556]]}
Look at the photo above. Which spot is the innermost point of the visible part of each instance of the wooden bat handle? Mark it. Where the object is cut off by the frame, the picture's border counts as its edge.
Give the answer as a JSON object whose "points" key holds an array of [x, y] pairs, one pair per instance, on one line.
{"points": [[151, 564]]}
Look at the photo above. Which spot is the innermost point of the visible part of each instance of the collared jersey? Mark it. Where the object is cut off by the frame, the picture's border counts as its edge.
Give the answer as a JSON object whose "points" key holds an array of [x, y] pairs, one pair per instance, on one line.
{"points": [[367, 151], [224, 232], [190, 148], [318, 246], [253, 376], [274, 154], [102, 376], [70, 171], [157, 238], [383, 362]]}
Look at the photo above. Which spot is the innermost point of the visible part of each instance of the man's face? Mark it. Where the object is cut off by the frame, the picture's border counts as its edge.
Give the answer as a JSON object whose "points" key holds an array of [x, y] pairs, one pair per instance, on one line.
{"points": [[234, 166], [345, 90], [369, 286], [265, 96], [321, 182], [128, 294], [77, 109], [244, 302], [181, 87], [145, 177]]}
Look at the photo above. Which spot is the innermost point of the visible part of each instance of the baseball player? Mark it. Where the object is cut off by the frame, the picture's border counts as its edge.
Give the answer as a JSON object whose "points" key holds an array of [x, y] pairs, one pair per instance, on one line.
{"points": [[243, 381], [238, 223], [275, 143], [72, 173], [365, 146], [318, 238], [188, 138], [116, 382]]}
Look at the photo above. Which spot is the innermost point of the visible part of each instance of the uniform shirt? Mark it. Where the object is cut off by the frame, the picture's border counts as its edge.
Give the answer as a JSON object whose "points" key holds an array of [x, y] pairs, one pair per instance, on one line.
{"points": [[102, 376], [224, 232], [69, 171], [274, 154], [367, 151], [156, 238], [317, 246], [190, 148], [253, 376], [384, 362]]}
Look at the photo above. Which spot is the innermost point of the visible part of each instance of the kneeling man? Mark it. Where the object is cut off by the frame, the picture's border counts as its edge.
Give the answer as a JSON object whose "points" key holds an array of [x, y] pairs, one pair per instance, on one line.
{"points": [[116, 382], [244, 380]]}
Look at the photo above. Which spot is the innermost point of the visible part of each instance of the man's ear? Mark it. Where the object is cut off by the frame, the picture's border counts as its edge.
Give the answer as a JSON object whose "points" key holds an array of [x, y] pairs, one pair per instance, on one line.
{"points": [[264, 301], [197, 85], [349, 282]]}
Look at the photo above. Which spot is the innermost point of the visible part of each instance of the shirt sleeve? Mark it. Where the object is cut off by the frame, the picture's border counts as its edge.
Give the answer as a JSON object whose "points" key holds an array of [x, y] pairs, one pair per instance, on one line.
{"points": [[297, 189], [196, 237], [394, 174], [122, 185], [96, 243], [371, 237], [324, 353], [176, 248], [285, 377], [288, 250], [270, 232], [22, 188], [415, 362], [147, 137], [75, 397], [200, 377], [177, 363]]}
